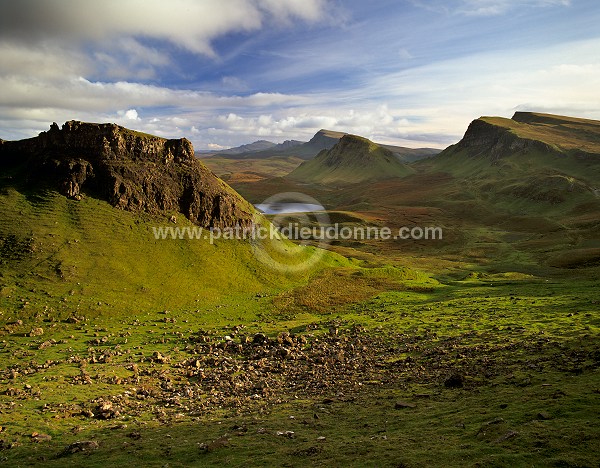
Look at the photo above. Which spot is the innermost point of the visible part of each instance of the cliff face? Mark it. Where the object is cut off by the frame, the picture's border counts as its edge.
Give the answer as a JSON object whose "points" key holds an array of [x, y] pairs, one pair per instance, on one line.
{"points": [[486, 137], [132, 171]]}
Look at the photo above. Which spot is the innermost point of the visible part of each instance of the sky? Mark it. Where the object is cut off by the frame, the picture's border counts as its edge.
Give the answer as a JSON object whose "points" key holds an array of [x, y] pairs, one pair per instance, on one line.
{"points": [[228, 72]]}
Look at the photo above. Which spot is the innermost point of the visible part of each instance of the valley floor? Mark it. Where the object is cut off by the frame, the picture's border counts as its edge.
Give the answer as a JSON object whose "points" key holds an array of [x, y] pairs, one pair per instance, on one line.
{"points": [[490, 370]]}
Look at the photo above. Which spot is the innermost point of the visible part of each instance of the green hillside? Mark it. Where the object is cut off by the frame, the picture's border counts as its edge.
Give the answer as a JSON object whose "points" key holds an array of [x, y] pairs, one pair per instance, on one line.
{"points": [[352, 160], [122, 349], [536, 161], [67, 257], [78, 210]]}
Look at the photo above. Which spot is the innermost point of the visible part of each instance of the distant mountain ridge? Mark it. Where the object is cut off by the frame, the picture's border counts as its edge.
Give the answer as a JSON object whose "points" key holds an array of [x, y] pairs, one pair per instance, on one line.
{"points": [[323, 139], [257, 148], [250, 147], [351, 160]]}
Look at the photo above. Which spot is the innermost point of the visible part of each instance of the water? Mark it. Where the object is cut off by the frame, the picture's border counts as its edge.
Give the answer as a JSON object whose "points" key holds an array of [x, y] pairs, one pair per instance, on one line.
{"points": [[285, 208]]}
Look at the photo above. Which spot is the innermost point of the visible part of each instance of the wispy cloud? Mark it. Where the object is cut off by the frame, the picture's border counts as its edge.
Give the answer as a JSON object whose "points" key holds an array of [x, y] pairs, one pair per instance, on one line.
{"points": [[229, 72], [485, 7]]}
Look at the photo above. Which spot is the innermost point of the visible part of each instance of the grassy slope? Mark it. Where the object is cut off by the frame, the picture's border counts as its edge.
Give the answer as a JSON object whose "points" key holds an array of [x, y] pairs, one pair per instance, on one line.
{"points": [[89, 256], [238, 170], [350, 162], [527, 347], [567, 133], [532, 211]]}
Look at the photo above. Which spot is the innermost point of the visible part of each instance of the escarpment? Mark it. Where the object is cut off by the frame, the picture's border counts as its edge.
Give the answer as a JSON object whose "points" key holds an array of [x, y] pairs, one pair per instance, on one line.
{"points": [[494, 140], [130, 170]]}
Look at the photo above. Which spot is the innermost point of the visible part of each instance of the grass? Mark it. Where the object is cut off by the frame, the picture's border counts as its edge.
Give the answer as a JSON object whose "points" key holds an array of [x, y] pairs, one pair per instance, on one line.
{"points": [[251, 170], [89, 256], [527, 348], [479, 349], [351, 161]]}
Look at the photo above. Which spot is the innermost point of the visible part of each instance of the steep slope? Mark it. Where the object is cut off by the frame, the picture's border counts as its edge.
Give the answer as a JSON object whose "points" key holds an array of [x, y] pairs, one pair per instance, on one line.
{"points": [[129, 170], [531, 158], [535, 177], [535, 157], [352, 160], [497, 137], [81, 215]]}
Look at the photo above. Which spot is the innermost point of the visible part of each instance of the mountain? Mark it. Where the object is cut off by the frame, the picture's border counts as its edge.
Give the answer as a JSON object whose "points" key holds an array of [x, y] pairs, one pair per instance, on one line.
{"points": [[258, 150], [353, 159], [249, 148], [129, 170], [327, 139], [533, 156], [498, 137], [534, 179]]}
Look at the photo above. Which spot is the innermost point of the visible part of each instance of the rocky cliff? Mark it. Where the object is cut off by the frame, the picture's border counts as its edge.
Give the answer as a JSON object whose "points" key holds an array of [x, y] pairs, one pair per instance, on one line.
{"points": [[495, 138], [526, 132], [131, 170]]}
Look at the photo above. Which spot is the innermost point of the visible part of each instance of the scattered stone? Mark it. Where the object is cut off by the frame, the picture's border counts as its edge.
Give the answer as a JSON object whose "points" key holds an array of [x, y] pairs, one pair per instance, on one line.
{"points": [[308, 452], [47, 344], [404, 405], [259, 339], [37, 437], [492, 422], [214, 445], [134, 435], [288, 434], [105, 410], [159, 358], [454, 381], [5, 445], [321, 438], [509, 435], [38, 331], [544, 416], [80, 446]]}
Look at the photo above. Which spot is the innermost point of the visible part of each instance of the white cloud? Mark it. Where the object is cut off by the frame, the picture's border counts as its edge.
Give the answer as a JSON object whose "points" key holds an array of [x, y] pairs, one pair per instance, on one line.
{"points": [[45, 61], [190, 24], [131, 114], [431, 105]]}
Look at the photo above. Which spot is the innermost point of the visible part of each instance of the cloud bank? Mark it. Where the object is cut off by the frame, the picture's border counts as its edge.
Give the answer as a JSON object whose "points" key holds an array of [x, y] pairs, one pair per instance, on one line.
{"points": [[224, 73]]}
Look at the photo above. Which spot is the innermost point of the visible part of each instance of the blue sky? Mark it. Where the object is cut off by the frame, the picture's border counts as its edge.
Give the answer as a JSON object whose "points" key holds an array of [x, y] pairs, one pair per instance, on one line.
{"points": [[228, 72]]}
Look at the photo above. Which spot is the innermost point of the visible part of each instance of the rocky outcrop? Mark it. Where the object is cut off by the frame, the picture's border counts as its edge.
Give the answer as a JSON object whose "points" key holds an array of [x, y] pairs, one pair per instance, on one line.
{"points": [[131, 170], [484, 138]]}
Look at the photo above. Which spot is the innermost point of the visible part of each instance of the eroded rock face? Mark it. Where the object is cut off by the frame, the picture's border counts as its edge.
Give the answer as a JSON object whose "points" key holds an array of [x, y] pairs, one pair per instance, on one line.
{"points": [[484, 138], [131, 170]]}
